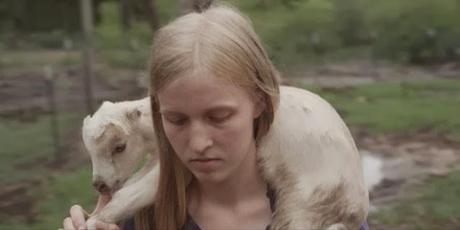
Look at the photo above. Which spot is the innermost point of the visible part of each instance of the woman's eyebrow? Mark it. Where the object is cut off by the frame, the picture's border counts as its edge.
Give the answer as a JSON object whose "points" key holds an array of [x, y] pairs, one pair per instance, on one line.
{"points": [[170, 112], [219, 108], [210, 109]]}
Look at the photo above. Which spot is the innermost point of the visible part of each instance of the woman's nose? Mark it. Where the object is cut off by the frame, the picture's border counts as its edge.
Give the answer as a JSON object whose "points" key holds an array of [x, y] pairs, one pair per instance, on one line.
{"points": [[200, 139]]}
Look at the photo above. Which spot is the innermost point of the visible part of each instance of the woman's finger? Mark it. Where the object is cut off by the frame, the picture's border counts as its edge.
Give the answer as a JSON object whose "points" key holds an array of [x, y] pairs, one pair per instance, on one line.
{"points": [[68, 224], [77, 216], [104, 226]]}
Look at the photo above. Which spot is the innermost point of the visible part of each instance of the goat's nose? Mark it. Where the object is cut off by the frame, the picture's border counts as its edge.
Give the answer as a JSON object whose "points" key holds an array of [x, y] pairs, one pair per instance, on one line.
{"points": [[101, 186]]}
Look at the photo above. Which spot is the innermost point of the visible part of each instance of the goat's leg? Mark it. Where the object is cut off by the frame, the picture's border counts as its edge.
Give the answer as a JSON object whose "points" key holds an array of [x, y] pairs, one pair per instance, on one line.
{"points": [[130, 199], [289, 211], [146, 168]]}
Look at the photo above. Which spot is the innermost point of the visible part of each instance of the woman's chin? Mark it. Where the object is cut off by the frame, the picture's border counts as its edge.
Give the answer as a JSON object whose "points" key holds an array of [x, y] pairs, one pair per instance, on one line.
{"points": [[209, 177]]}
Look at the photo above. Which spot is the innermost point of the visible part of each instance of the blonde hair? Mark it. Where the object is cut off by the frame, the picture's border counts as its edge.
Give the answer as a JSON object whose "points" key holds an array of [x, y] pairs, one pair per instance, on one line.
{"points": [[218, 41]]}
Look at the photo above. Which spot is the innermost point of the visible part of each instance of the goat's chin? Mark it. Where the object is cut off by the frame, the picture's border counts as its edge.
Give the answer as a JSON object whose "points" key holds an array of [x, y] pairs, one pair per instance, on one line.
{"points": [[114, 190], [110, 192]]}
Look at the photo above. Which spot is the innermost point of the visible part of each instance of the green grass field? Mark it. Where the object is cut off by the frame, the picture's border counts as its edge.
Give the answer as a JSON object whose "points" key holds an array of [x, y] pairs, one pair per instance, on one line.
{"points": [[27, 153], [400, 106]]}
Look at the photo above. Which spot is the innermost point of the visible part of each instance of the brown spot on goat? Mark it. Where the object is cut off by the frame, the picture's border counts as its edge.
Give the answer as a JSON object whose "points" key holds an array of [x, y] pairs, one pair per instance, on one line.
{"points": [[281, 205], [331, 206]]}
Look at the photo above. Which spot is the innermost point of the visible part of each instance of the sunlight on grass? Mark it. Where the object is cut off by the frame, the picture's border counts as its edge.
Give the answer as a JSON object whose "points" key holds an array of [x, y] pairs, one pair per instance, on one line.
{"points": [[401, 107]]}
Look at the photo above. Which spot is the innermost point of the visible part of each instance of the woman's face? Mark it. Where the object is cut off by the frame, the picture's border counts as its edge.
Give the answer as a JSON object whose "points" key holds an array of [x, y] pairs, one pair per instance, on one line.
{"points": [[209, 124]]}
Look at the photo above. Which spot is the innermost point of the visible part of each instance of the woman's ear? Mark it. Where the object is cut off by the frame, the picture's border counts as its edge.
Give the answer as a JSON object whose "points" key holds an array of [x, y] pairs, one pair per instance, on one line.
{"points": [[260, 104]]}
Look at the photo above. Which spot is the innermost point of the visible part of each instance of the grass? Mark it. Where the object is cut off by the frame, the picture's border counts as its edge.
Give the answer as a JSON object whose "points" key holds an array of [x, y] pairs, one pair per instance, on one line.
{"points": [[26, 144], [59, 193], [54, 198], [435, 205], [27, 147], [400, 106]]}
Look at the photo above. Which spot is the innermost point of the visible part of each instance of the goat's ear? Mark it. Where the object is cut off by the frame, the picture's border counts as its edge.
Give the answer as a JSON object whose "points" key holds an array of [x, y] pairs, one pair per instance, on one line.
{"points": [[134, 114], [86, 120], [106, 103]]}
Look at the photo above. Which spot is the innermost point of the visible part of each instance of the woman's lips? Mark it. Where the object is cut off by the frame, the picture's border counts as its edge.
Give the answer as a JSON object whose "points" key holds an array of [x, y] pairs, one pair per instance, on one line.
{"points": [[206, 164]]}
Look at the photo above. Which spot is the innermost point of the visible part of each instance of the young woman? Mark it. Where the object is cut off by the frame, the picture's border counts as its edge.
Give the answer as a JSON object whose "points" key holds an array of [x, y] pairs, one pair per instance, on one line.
{"points": [[214, 92]]}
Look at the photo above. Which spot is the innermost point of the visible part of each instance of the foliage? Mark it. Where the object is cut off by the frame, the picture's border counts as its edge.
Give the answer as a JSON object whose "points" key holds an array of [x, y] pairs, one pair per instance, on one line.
{"points": [[349, 22], [40, 16], [416, 31], [293, 35], [405, 31], [294, 31]]}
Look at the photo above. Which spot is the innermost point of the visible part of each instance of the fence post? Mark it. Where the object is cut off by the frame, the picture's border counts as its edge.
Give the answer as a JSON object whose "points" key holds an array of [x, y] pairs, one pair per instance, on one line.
{"points": [[88, 51], [54, 123]]}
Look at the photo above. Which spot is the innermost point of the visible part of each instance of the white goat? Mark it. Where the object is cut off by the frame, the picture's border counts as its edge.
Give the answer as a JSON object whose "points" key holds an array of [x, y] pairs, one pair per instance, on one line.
{"points": [[308, 156]]}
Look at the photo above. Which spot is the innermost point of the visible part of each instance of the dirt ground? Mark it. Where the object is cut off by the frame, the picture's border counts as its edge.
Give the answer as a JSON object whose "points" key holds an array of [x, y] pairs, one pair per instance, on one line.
{"points": [[24, 95], [408, 158]]}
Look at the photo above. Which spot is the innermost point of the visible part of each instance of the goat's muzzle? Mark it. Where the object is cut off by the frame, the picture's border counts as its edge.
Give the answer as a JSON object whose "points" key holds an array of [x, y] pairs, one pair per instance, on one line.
{"points": [[101, 187]]}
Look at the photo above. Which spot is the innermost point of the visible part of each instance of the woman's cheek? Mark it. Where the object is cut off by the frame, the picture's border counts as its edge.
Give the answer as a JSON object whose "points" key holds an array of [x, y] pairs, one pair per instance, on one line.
{"points": [[235, 134], [172, 134]]}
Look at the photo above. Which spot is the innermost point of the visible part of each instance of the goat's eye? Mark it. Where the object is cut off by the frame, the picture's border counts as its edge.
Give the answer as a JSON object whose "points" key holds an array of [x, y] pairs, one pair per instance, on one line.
{"points": [[119, 148]]}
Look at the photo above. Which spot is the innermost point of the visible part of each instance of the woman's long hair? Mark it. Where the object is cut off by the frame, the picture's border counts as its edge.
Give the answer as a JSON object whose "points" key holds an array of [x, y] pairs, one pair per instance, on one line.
{"points": [[218, 41]]}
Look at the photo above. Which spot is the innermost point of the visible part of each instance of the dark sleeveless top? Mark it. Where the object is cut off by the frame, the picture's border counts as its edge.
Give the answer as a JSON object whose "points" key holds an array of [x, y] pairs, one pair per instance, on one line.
{"points": [[191, 225]]}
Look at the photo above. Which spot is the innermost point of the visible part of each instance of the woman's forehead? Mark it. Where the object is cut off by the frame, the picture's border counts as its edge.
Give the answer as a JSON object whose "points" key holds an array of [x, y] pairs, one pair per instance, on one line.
{"points": [[201, 83], [201, 91]]}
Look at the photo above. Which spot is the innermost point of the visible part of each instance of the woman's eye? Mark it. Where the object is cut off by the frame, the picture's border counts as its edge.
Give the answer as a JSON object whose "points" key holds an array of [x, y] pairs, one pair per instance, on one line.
{"points": [[220, 117], [176, 120]]}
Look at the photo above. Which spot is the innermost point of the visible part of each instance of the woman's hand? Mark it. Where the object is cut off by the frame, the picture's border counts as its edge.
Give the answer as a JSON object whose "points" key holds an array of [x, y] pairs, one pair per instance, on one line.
{"points": [[77, 219]]}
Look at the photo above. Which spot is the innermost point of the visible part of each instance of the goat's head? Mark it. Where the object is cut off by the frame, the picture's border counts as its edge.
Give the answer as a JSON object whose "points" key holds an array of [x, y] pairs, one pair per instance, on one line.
{"points": [[114, 139]]}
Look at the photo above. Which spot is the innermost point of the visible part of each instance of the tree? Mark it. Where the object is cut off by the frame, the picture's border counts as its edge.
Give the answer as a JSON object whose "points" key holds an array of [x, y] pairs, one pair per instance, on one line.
{"points": [[141, 10], [350, 21], [26, 16]]}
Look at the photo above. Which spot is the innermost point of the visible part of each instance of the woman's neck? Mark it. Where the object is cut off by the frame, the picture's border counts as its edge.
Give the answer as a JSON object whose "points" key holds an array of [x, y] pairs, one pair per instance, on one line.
{"points": [[240, 202]]}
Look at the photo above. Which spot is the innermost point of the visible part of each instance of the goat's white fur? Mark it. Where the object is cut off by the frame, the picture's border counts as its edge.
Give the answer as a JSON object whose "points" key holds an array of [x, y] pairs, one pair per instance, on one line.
{"points": [[308, 157]]}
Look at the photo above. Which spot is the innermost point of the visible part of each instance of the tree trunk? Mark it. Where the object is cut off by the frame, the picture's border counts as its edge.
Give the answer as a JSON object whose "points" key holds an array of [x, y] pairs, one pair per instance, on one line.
{"points": [[152, 14], [125, 15], [187, 6]]}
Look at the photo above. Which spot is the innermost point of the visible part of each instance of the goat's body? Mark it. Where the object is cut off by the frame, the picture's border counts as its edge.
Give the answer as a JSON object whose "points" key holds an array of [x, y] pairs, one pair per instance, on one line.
{"points": [[308, 157]]}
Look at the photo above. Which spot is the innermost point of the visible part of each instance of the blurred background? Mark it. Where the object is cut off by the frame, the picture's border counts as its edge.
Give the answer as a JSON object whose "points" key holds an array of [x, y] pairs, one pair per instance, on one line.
{"points": [[391, 68]]}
